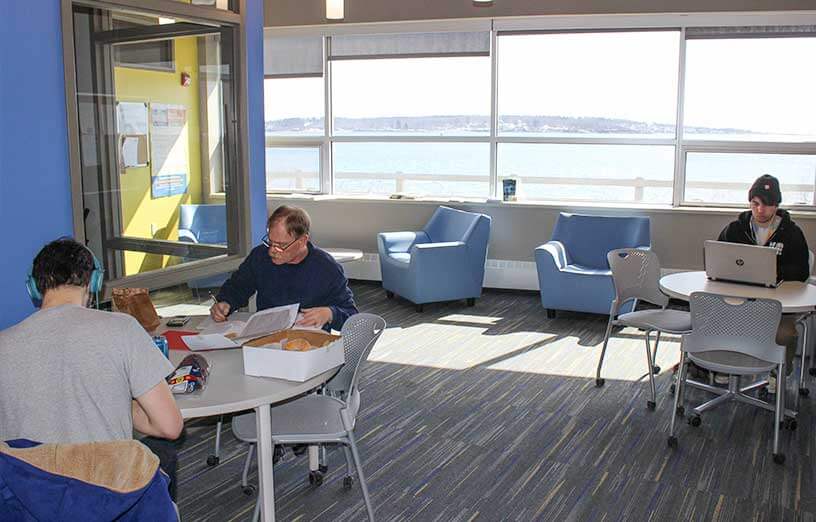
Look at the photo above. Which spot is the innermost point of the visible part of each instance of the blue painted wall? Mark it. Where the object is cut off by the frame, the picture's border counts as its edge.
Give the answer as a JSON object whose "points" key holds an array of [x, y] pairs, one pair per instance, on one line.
{"points": [[35, 192], [255, 102]]}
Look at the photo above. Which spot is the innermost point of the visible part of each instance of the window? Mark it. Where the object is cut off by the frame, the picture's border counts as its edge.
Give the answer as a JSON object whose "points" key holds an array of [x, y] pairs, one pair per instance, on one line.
{"points": [[605, 85], [680, 115], [155, 55], [749, 110]]}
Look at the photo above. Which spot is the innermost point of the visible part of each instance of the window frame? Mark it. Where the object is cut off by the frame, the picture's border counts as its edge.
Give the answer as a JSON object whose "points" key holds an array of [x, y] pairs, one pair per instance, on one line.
{"points": [[563, 24]]}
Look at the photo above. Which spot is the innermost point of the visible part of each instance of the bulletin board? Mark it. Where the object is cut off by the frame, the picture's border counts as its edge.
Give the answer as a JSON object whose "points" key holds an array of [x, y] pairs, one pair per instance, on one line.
{"points": [[132, 132]]}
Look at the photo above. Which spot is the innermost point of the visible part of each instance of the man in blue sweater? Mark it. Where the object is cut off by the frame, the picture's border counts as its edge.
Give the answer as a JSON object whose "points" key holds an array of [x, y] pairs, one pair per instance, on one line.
{"points": [[287, 268]]}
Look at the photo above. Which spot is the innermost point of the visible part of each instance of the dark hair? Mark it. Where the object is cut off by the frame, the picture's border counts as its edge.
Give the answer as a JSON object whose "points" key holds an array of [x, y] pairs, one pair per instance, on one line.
{"points": [[62, 262], [295, 219]]}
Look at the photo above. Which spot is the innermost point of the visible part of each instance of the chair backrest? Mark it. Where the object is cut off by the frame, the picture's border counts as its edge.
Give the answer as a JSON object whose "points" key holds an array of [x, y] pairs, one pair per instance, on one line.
{"points": [[450, 224], [587, 239], [636, 274], [734, 324], [360, 332], [207, 223]]}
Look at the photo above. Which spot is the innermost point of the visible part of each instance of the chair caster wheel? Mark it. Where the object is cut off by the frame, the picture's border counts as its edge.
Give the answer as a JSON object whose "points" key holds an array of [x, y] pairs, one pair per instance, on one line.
{"points": [[681, 410], [790, 424], [322, 468], [249, 490], [779, 458], [804, 392], [812, 372], [212, 460], [599, 383], [672, 442], [389, 294], [655, 369], [673, 388], [348, 482], [651, 405], [695, 420], [315, 478]]}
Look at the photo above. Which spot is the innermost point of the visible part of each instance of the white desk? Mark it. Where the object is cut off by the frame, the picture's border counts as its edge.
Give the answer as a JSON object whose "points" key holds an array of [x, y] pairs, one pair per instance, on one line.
{"points": [[795, 297], [345, 255], [229, 391]]}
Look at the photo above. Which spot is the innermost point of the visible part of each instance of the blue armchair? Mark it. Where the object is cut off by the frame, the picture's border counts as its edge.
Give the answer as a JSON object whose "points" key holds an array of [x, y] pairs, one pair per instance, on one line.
{"points": [[443, 262], [573, 273], [204, 224]]}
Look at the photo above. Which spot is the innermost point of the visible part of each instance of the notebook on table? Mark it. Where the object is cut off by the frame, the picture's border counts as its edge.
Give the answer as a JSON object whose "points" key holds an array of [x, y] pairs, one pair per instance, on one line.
{"points": [[738, 263]]}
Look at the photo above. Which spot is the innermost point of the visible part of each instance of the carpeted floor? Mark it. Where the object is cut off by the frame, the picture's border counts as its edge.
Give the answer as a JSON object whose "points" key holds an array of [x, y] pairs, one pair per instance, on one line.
{"points": [[491, 413]]}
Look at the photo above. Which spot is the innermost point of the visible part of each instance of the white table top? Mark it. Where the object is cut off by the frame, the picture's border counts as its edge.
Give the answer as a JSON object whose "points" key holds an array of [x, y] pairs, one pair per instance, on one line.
{"points": [[228, 389], [345, 255], [795, 297]]}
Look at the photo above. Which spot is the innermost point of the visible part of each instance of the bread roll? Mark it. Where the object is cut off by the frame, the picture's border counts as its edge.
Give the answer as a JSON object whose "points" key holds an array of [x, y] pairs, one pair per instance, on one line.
{"points": [[297, 345]]}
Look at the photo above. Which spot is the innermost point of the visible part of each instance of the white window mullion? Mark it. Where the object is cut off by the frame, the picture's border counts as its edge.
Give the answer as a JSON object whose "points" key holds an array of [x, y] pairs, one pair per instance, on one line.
{"points": [[679, 187], [494, 114], [326, 156]]}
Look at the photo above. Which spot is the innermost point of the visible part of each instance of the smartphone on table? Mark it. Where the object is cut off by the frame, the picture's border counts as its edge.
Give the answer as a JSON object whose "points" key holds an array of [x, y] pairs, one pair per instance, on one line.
{"points": [[178, 321]]}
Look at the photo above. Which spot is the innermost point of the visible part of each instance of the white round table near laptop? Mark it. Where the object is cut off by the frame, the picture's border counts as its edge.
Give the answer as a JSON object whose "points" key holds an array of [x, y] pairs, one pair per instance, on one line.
{"points": [[229, 390], [795, 297]]}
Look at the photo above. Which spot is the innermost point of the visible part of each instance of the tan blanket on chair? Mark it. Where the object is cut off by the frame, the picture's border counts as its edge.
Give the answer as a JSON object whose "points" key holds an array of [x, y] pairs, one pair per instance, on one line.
{"points": [[122, 466]]}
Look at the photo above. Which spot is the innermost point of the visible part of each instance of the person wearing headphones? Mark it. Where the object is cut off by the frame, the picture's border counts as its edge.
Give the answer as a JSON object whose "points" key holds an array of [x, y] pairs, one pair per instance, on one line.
{"points": [[71, 374], [285, 269]]}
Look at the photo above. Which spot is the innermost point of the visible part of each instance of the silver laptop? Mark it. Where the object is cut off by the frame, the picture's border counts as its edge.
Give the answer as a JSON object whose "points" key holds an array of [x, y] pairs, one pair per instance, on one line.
{"points": [[737, 263]]}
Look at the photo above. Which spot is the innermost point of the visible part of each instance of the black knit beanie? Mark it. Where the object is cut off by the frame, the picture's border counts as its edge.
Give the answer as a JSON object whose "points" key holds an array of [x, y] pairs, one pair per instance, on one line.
{"points": [[766, 188]]}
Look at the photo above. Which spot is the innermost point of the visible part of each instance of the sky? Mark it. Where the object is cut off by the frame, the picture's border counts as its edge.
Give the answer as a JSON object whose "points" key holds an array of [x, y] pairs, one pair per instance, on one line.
{"points": [[764, 85]]}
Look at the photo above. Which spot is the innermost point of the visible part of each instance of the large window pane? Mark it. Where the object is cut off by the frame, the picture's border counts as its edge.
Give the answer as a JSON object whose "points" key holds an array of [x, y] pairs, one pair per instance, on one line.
{"points": [[421, 169], [624, 173], [293, 169], [411, 96], [588, 84], [293, 106], [726, 178], [750, 89]]}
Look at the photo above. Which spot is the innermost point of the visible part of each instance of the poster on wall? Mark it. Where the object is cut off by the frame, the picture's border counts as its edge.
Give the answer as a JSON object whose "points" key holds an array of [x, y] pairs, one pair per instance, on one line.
{"points": [[131, 127], [169, 147]]}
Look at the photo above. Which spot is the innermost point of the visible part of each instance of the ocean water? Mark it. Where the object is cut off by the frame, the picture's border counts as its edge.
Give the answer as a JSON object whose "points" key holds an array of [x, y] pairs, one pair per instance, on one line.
{"points": [[462, 169]]}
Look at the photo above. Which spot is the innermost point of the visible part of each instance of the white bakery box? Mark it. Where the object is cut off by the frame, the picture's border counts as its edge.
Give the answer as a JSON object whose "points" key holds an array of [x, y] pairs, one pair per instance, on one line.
{"points": [[265, 356]]}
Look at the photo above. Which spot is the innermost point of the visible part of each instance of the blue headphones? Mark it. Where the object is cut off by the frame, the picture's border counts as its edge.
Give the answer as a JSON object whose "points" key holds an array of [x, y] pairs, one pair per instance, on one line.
{"points": [[94, 285]]}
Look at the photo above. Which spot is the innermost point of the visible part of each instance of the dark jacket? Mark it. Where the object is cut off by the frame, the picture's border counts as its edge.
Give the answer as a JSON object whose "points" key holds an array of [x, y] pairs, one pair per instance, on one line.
{"points": [[788, 238], [318, 280]]}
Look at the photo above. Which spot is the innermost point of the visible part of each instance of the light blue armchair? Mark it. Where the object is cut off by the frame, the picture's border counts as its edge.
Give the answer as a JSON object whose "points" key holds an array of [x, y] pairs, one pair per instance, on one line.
{"points": [[573, 273], [443, 262], [204, 224]]}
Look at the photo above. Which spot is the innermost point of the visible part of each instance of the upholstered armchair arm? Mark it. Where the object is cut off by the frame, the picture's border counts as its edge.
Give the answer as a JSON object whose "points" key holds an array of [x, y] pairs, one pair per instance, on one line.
{"points": [[429, 257], [554, 250], [186, 235], [400, 242]]}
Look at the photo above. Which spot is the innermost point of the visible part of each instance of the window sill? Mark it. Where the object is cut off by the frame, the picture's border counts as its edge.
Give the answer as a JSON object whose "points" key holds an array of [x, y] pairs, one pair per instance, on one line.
{"points": [[560, 205]]}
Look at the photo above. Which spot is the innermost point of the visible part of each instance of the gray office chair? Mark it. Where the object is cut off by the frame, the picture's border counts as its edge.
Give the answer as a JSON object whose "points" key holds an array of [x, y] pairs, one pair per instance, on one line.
{"points": [[805, 324], [635, 273], [735, 336], [328, 418]]}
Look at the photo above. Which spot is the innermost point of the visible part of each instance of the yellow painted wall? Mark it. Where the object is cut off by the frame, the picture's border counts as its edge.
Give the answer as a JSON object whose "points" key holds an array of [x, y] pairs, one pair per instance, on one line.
{"points": [[139, 210]]}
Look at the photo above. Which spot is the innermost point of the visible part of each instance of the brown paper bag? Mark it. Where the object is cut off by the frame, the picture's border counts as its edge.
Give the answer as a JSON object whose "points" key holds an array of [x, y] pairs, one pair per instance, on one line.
{"points": [[136, 302]]}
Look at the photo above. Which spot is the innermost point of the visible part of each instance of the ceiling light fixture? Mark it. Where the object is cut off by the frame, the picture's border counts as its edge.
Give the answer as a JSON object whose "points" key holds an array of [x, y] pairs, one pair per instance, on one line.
{"points": [[482, 2], [334, 9]]}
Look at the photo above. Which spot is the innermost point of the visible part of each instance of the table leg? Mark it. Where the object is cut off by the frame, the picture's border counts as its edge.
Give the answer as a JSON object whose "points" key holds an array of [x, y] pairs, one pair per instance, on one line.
{"points": [[266, 480]]}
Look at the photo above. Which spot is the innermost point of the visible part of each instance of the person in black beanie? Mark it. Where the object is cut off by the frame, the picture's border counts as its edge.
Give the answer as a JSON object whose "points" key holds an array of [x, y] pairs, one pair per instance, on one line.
{"points": [[768, 225]]}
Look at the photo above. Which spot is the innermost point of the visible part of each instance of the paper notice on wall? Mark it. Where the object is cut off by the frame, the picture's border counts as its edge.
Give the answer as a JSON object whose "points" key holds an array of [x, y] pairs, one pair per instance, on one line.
{"points": [[131, 118], [169, 144]]}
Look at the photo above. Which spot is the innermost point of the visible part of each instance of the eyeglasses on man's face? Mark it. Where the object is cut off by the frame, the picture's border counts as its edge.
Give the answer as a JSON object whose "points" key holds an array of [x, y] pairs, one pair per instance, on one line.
{"points": [[278, 246]]}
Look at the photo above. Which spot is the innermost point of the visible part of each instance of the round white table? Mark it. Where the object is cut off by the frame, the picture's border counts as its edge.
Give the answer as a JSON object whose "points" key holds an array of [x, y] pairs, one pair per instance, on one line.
{"points": [[229, 390], [345, 255], [794, 296]]}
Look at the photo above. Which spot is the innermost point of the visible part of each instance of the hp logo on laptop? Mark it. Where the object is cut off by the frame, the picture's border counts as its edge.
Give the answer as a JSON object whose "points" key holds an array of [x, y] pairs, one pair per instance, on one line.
{"points": [[740, 262]]}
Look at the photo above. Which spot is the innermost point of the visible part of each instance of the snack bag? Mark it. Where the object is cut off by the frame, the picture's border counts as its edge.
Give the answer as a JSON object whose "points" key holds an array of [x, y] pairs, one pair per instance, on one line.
{"points": [[191, 375]]}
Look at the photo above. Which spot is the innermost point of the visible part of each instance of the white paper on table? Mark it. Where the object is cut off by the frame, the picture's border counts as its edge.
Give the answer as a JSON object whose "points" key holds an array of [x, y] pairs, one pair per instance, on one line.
{"points": [[227, 327], [208, 342], [270, 320]]}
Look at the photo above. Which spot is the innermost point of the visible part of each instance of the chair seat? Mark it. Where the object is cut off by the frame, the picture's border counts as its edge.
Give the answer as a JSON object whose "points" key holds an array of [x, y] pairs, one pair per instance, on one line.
{"points": [[732, 363], [312, 416], [402, 257], [670, 321]]}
